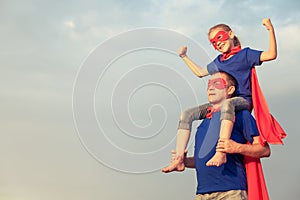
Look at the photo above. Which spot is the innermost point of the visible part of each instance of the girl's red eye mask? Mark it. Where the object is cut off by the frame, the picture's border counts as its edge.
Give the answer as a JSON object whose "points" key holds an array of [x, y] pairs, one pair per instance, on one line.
{"points": [[219, 37]]}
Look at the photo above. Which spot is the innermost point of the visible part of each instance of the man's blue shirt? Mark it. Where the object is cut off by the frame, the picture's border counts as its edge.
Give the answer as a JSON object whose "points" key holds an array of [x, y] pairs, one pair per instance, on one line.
{"points": [[229, 176]]}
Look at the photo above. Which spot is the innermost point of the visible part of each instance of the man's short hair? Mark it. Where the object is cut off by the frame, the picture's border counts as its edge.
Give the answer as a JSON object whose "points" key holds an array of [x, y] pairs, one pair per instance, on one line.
{"points": [[231, 80]]}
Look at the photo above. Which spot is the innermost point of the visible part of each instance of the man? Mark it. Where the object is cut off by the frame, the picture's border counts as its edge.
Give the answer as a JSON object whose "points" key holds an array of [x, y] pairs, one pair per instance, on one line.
{"points": [[229, 180]]}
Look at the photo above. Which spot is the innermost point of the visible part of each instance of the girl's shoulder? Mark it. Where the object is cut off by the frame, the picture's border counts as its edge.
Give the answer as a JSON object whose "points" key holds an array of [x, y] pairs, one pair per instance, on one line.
{"points": [[247, 49]]}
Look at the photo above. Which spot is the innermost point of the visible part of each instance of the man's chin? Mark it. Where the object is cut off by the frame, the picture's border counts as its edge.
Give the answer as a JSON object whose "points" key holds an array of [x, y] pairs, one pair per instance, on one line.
{"points": [[211, 100]]}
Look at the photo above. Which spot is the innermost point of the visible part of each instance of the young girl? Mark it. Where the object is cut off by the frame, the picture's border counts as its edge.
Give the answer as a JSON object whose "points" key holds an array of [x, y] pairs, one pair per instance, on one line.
{"points": [[235, 61]]}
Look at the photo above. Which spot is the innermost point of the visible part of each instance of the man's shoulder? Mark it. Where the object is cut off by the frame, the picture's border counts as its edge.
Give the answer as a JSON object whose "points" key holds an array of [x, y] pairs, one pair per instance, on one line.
{"points": [[244, 114]]}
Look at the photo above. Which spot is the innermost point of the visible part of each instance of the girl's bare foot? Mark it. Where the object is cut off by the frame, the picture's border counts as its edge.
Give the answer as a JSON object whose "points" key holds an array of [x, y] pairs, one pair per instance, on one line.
{"points": [[217, 160], [176, 165]]}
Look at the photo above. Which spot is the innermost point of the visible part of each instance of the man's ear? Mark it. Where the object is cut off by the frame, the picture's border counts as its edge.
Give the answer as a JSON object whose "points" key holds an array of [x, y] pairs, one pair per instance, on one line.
{"points": [[231, 90]]}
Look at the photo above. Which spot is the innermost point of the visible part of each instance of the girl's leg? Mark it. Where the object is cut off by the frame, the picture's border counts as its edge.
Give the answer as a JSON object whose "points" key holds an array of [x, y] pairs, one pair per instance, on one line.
{"points": [[183, 134], [185, 125], [229, 107]]}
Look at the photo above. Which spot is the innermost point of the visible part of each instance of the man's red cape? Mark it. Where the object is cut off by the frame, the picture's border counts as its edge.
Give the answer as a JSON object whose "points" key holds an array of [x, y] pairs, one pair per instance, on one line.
{"points": [[271, 132]]}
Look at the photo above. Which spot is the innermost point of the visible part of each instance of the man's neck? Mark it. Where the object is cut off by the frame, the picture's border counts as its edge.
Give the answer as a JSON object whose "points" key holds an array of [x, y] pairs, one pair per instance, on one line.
{"points": [[216, 106]]}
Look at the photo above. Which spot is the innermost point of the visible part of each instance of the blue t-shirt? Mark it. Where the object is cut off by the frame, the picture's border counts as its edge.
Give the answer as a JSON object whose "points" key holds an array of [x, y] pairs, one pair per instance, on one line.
{"points": [[231, 175], [239, 66]]}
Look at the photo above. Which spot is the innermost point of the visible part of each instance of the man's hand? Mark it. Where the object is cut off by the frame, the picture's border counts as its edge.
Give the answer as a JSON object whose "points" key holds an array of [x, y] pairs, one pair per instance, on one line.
{"points": [[182, 51], [268, 24], [255, 150], [228, 146]]}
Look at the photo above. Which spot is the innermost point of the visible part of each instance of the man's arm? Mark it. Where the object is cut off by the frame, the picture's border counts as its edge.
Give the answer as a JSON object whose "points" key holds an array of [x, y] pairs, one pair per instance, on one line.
{"points": [[197, 70], [189, 162], [271, 54], [255, 149]]}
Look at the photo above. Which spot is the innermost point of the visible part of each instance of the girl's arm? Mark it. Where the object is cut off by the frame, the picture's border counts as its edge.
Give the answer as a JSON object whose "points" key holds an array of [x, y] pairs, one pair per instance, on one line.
{"points": [[197, 70], [271, 54]]}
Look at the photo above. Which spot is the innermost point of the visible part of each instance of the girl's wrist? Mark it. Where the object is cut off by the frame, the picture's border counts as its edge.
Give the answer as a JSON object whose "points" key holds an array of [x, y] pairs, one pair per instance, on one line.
{"points": [[182, 55]]}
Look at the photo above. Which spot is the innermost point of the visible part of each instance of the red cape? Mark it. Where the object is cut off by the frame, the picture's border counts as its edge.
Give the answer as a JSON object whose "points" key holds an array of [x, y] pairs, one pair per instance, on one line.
{"points": [[271, 132], [269, 129], [257, 189]]}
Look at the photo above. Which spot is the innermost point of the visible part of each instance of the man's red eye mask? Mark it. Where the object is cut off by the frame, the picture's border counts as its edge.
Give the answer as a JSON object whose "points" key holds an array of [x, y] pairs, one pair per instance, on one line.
{"points": [[218, 83]]}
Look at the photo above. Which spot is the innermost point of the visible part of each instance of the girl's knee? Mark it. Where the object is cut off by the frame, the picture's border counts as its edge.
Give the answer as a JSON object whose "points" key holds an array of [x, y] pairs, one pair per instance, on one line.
{"points": [[184, 115], [227, 107], [227, 111]]}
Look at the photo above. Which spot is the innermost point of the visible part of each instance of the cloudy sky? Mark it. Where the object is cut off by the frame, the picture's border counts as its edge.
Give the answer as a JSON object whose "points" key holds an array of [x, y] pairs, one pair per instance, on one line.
{"points": [[91, 93]]}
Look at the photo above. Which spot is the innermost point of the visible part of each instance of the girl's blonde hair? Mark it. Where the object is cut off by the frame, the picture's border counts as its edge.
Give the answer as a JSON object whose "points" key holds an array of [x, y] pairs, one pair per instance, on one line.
{"points": [[226, 28]]}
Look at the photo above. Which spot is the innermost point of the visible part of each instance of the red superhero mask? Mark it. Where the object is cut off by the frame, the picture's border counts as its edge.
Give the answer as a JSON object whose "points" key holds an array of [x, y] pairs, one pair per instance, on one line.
{"points": [[219, 37], [218, 83]]}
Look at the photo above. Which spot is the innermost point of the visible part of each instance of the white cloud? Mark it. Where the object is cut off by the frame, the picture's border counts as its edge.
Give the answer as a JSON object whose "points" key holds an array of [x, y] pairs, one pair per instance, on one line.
{"points": [[288, 37], [70, 24]]}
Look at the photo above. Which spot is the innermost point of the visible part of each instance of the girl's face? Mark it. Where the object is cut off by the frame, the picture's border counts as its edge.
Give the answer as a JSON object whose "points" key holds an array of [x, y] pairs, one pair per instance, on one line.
{"points": [[221, 40]]}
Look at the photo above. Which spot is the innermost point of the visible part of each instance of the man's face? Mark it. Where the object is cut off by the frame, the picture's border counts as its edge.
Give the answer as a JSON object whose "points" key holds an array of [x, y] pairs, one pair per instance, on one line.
{"points": [[217, 90]]}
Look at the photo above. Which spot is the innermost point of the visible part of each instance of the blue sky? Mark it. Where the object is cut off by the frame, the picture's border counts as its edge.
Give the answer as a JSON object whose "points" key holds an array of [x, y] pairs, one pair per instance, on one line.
{"points": [[45, 46]]}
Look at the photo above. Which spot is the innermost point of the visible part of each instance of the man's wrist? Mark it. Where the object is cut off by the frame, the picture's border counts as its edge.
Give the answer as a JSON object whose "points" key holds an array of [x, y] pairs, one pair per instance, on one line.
{"points": [[239, 148]]}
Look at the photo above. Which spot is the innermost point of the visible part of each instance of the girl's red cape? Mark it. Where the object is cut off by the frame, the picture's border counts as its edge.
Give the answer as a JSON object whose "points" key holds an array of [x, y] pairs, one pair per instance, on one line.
{"points": [[270, 131]]}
